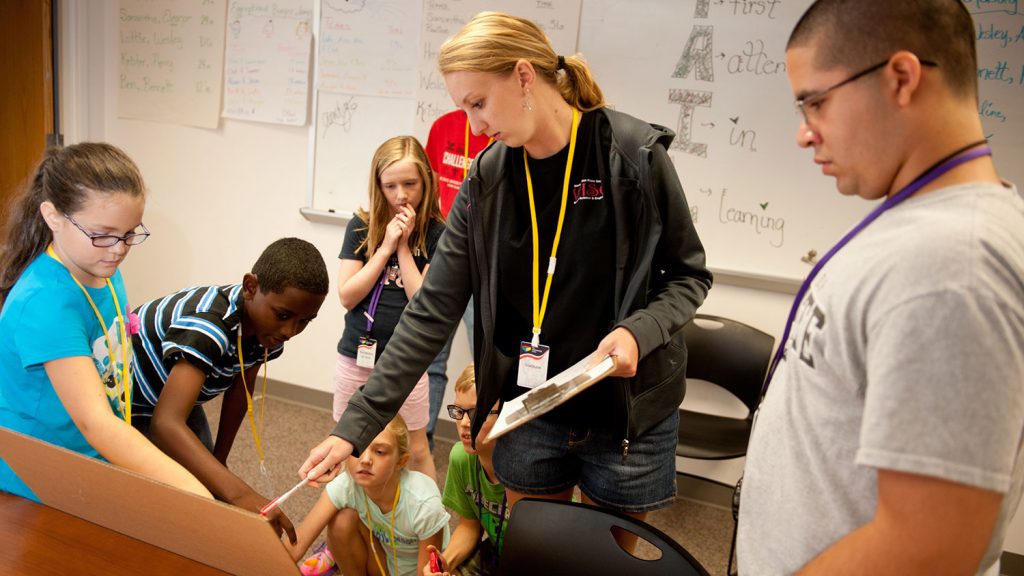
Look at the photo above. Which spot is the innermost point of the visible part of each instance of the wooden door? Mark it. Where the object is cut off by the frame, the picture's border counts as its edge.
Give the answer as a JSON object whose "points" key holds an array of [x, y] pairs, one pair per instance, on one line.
{"points": [[26, 100]]}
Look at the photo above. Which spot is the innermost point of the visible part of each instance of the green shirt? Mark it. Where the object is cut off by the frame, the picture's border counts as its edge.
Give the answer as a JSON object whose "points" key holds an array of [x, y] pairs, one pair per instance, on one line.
{"points": [[470, 494]]}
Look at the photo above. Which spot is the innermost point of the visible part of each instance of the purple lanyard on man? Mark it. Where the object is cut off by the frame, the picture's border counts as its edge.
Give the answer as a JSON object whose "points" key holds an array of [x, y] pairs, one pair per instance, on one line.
{"points": [[955, 159]]}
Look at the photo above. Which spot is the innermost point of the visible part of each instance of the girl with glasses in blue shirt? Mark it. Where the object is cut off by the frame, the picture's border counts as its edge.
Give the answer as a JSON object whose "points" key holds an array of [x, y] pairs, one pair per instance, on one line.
{"points": [[65, 325]]}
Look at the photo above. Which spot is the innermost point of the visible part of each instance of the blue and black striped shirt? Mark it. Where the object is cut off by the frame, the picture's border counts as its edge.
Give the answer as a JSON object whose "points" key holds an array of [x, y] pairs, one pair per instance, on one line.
{"points": [[199, 324]]}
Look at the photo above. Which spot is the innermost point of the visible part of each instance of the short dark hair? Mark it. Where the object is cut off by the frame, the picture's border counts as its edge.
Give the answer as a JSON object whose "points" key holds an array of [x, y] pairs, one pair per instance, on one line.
{"points": [[855, 34], [291, 262]]}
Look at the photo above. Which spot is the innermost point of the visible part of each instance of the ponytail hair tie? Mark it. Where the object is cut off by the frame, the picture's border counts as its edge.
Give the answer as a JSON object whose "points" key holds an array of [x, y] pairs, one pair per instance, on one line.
{"points": [[561, 63]]}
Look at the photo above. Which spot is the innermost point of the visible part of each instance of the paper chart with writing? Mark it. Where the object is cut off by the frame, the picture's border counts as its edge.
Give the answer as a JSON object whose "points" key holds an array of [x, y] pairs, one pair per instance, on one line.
{"points": [[267, 60], [443, 18], [368, 47], [171, 60], [1000, 42]]}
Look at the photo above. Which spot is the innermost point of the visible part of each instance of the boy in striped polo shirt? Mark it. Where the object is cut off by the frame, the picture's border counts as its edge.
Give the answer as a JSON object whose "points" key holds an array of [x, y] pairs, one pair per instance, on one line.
{"points": [[189, 347]]}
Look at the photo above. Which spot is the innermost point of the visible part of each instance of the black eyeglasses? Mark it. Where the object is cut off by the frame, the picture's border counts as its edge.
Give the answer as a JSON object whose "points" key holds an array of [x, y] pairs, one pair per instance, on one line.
{"points": [[457, 412], [802, 104], [108, 240]]}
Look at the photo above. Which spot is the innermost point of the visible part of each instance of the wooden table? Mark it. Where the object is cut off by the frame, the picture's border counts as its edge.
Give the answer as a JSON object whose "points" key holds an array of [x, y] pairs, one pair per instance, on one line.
{"points": [[37, 539]]}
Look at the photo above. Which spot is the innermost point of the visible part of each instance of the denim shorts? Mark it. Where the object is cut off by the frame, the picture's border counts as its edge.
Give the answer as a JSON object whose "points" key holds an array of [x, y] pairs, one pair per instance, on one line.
{"points": [[544, 457]]}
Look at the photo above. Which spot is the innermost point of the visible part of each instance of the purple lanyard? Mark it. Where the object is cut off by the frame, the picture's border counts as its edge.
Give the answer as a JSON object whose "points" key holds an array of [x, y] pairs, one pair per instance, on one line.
{"points": [[955, 159], [375, 299]]}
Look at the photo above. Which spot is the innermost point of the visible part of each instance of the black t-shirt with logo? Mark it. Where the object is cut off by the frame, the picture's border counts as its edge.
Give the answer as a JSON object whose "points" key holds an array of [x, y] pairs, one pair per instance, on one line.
{"points": [[392, 298], [580, 306]]}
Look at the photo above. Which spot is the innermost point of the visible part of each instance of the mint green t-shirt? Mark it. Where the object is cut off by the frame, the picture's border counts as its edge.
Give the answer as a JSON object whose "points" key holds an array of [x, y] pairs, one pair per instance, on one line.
{"points": [[418, 515]]}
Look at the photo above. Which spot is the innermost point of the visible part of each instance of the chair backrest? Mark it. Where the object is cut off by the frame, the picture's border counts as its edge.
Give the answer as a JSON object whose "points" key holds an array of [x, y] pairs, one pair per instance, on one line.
{"points": [[570, 539], [729, 354]]}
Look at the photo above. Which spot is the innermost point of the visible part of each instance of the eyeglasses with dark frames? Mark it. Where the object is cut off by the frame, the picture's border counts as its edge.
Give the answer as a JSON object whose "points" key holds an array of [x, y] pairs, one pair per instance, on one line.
{"points": [[457, 412], [108, 240], [806, 105]]}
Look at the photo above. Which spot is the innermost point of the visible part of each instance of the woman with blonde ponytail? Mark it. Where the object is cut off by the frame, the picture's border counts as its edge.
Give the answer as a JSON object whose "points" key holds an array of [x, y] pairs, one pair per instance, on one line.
{"points": [[65, 343], [574, 238]]}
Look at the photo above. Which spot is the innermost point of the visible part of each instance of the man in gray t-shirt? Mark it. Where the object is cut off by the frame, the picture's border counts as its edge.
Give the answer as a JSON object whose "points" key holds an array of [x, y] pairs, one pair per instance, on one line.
{"points": [[889, 441]]}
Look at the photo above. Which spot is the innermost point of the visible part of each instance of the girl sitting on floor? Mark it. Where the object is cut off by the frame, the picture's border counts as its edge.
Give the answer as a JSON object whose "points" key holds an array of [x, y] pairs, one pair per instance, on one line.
{"points": [[380, 517]]}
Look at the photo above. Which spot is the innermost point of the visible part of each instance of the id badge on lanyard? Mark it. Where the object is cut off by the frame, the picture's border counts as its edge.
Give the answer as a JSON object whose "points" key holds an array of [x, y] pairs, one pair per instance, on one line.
{"points": [[533, 365], [366, 352]]}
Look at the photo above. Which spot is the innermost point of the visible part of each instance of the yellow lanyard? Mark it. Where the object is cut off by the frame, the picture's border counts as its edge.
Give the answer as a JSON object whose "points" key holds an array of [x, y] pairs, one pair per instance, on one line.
{"points": [[540, 306], [126, 384], [248, 397], [394, 546]]}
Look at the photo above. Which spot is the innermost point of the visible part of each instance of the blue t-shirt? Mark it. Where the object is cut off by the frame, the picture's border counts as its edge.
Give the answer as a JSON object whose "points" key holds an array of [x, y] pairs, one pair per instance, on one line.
{"points": [[46, 317]]}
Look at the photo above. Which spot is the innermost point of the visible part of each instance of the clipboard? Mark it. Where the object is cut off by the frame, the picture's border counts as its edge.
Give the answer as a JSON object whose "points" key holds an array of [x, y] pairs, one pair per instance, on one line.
{"points": [[554, 392]]}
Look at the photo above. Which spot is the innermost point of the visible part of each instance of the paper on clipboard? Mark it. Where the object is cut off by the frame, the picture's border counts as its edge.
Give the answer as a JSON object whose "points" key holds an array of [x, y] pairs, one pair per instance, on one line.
{"points": [[553, 392]]}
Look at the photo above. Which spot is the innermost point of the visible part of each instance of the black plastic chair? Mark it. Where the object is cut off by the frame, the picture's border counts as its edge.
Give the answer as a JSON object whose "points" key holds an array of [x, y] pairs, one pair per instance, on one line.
{"points": [[731, 355], [573, 539], [735, 357]]}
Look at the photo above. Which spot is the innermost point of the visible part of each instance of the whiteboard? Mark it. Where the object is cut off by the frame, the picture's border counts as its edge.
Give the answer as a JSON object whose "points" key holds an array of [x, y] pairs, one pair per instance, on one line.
{"points": [[361, 100], [761, 206], [759, 203], [756, 198], [349, 128]]}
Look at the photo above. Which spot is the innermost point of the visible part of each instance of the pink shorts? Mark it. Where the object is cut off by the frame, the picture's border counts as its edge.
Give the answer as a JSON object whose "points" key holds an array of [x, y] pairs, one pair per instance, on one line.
{"points": [[348, 377]]}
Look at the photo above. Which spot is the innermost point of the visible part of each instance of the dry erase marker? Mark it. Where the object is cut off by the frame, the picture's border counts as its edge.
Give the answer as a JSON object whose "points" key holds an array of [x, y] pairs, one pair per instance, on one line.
{"points": [[280, 499]]}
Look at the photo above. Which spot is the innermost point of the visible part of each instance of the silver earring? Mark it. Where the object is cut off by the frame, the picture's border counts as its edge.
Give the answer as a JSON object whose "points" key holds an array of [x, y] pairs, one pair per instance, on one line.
{"points": [[526, 105]]}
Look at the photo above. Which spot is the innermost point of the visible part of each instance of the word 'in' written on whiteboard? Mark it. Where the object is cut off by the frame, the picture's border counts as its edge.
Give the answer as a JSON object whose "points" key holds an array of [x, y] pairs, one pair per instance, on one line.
{"points": [[741, 137]]}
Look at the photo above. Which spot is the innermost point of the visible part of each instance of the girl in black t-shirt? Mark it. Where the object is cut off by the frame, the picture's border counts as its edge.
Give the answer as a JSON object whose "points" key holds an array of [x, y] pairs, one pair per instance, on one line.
{"points": [[386, 252]]}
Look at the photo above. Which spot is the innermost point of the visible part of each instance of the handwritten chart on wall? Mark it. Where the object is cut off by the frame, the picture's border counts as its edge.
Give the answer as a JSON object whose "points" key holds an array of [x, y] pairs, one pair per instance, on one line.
{"points": [[1000, 40], [715, 73], [267, 60], [368, 47], [351, 121], [443, 18], [171, 60]]}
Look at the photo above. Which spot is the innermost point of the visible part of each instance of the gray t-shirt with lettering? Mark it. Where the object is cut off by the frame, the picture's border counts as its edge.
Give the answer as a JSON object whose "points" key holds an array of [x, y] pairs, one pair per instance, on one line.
{"points": [[906, 354]]}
